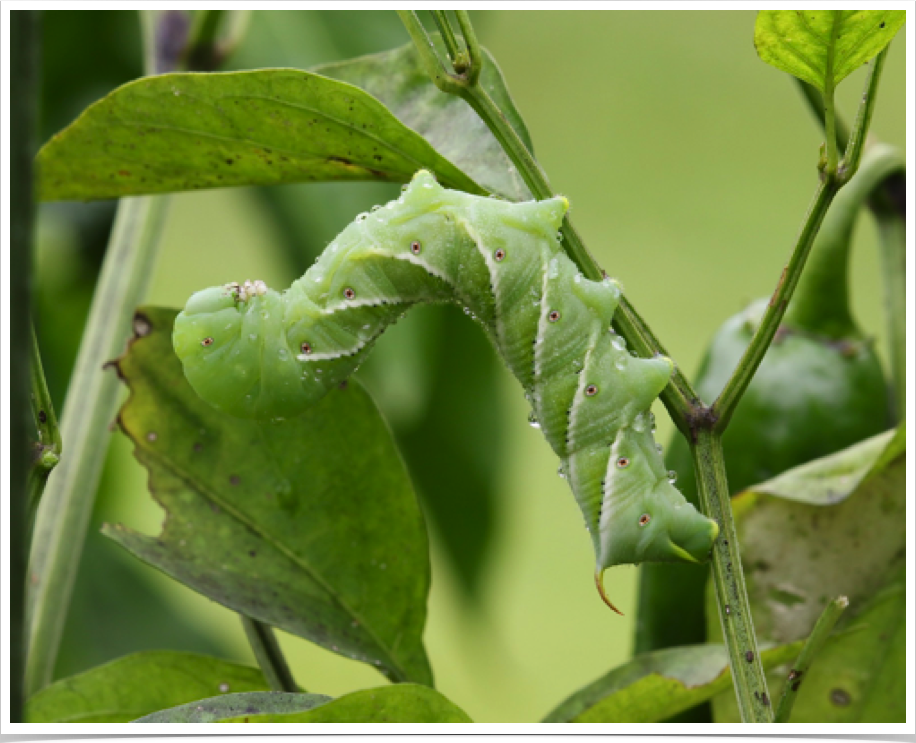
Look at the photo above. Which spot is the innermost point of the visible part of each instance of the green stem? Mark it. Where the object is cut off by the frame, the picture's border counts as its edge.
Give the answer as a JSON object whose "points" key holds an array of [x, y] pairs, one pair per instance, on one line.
{"points": [[91, 403], [821, 303], [267, 652], [728, 580], [63, 517], [813, 645], [25, 42], [49, 445], [815, 102], [862, 124], [830, 184], [728, 400], [456, 54], [475, 53], [829, 104], [434, 68], [678, 396]]}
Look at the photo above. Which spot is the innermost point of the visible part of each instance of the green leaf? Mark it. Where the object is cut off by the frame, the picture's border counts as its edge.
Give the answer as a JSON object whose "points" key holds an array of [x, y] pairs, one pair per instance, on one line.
{"points": [[859, 675], [834, 478], [397, 78], [399, 703], [654, 686], [238, 705], [822, 47], [308, 524], [798, 555], [832, 527], [138, 684], [187, 131]]}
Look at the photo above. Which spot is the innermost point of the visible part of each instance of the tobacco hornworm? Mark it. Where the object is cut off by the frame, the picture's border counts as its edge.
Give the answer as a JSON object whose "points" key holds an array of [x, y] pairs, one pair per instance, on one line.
{"points": [[256, 353]]}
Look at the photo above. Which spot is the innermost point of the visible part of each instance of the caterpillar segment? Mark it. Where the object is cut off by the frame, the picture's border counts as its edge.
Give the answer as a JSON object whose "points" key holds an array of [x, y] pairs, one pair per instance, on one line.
{"points": [[255, 353]]}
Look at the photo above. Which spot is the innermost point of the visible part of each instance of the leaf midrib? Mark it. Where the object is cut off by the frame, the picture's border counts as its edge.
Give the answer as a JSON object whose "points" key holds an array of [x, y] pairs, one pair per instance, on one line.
{"points": [[205, 491]]}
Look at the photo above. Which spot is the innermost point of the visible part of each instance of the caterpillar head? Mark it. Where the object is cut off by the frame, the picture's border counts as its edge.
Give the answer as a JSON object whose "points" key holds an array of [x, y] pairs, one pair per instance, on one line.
{"points": [[232, 343], [649, 519]]}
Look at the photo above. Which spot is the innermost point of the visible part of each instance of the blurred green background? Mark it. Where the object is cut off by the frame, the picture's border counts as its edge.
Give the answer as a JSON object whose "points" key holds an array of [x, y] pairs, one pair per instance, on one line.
{"points": [[689, 164]]}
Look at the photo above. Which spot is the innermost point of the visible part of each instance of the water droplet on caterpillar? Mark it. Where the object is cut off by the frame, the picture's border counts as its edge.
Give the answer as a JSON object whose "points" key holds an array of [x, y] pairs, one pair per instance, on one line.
{"points": [[533, 420], [561, 472], [659, 448], [618, 343], [620, 363], [672, 476], [639, 423], [361, 217]]}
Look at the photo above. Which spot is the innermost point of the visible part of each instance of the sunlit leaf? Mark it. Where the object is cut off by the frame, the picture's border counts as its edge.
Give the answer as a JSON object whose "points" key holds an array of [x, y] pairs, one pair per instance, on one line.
{"points": [[824, 46], [186, 131]]}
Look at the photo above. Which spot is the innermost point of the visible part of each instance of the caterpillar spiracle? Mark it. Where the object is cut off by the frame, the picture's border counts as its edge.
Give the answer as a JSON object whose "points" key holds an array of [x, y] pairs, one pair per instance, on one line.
{"points": [[253, 352]]}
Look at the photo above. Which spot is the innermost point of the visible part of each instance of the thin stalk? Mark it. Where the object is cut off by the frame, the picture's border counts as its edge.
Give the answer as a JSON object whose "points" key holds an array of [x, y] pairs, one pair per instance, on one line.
{"points": [[830, 184], [434, 68], [813, 645], [63, 516], [728, 579], [678, 395], [821, 302], [728, 400], [49, 445], [92, 397], [474, 51], [267, 652], [24, 85], [829, 104], [815, 102], [456, 54], [860, 127]]}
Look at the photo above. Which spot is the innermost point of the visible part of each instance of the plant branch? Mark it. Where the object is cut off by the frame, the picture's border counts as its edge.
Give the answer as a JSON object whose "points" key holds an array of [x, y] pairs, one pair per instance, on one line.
{"points": [[728, 400], [90, 406], [813, 645], [24, 57], [267, 652], [458, 56], [474, 51], [728, 580], [860, 127], [829, 104], [815, 102], [830, 184], [678, 397]]}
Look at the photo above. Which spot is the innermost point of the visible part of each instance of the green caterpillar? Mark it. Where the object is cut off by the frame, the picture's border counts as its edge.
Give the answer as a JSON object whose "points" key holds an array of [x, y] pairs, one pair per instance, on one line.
{"points": [[255, 353]]}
